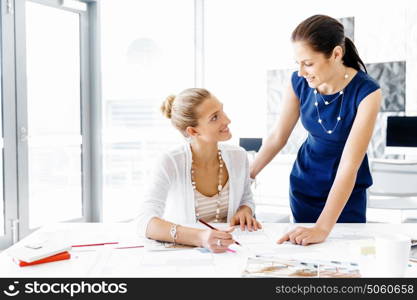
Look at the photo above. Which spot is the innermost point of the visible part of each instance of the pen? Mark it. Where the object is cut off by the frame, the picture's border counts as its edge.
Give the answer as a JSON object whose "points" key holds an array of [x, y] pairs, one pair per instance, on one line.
{"points": [[100, 244], [214, 228]]}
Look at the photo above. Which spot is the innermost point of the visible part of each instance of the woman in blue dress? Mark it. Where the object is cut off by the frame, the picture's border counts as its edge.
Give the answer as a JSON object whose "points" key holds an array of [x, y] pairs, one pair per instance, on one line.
{"points": [[338, 104]]}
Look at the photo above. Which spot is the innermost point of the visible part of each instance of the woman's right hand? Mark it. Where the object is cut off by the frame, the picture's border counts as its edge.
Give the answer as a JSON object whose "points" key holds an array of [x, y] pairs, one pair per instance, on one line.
{"points": [[216, 241]]}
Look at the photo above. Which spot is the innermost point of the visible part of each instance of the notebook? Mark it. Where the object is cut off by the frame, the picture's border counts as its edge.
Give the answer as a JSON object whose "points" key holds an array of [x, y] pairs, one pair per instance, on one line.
{"points": [[56, 257], [32, 252]]}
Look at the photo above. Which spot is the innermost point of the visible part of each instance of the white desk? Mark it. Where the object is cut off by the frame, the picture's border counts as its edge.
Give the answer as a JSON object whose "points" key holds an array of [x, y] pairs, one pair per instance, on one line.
{"points": [[105, 261]]}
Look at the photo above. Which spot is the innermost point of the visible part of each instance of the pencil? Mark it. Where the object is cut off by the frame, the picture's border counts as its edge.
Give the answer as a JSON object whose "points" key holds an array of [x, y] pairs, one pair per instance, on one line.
{"points": [[129, 247], [214, 228]]}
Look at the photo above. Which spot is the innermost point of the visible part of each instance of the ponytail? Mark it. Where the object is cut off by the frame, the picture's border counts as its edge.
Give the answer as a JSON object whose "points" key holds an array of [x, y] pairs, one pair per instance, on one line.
{"points": [[323, 34], [351, 57]]}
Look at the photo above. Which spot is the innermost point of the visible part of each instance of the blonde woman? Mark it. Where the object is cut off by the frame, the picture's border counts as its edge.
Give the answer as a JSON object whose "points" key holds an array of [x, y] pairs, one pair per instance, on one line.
{"points": [[201, 179]]}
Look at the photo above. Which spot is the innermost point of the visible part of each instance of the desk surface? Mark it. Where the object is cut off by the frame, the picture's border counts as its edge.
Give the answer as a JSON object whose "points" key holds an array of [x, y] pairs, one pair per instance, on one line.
{"points": [[107, 261]]}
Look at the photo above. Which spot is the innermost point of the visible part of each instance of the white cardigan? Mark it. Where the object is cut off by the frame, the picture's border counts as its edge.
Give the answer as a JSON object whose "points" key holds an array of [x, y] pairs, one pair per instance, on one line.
{"points": [[170, 194]]}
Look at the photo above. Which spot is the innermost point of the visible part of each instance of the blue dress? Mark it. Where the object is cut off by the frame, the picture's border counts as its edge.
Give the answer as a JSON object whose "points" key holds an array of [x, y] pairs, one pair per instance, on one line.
{"points": [[318, 158]]}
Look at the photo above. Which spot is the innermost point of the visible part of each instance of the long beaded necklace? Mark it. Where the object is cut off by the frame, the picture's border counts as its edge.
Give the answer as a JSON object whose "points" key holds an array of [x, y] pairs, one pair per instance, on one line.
{"points": [[219, 186], [316, 104]]}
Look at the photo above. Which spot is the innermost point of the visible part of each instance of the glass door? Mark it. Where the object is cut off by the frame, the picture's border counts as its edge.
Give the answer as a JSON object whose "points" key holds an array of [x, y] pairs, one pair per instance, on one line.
{"points": [[2, 205], [50, 115]]}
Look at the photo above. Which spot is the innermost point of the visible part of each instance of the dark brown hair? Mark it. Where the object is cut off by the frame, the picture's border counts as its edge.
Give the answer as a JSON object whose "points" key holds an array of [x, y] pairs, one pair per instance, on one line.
{"points": [[323, 34]]}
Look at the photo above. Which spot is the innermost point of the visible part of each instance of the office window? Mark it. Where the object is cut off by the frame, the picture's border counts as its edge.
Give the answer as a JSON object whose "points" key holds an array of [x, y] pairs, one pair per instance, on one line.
{"points": [[239, 57], [53, 112], [147, 53], [249, 59]]}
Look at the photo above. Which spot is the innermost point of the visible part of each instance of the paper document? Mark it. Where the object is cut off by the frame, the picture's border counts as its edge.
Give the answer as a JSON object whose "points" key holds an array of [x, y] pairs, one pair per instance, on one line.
{"points": [[152, 245], [277, 267]]}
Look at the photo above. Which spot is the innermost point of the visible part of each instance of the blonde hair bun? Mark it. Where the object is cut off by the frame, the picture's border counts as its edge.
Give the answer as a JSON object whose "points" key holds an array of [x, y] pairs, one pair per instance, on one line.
{"points": [[181, 108], [166, 107]]}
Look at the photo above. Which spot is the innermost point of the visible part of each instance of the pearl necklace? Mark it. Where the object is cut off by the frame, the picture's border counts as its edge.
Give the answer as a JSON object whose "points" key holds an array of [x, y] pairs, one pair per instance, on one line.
{"points": [[320, 119], [219, 186], [316, 104]]}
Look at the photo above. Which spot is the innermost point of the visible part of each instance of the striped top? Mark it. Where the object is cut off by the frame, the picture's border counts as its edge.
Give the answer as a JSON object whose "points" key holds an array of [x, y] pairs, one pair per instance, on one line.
{"points": [[205, 207]]}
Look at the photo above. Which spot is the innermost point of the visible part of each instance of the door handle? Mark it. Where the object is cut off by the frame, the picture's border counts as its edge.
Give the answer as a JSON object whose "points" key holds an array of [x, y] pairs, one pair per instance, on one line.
{"points": [[23, 134]]}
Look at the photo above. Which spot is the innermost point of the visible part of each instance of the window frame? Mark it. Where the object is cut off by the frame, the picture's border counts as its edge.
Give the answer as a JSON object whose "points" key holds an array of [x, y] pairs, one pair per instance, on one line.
{"points": [[9, 126]]}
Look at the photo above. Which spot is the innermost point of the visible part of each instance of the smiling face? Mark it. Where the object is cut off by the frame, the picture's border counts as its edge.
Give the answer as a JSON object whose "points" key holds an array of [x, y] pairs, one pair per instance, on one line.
{"points": [[212, 122], [314, 66]]}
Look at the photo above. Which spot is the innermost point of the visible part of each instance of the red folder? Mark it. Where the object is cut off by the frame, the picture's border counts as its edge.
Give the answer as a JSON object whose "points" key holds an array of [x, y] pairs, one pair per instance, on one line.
{"points": [[56, 257]]}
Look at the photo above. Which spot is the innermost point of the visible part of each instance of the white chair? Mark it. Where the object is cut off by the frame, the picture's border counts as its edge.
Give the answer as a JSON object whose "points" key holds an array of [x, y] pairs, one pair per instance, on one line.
{"points": [[394, 187]]}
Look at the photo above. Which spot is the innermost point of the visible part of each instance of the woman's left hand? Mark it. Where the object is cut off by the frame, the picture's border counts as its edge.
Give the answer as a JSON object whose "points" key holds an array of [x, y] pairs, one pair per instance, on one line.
{"points": [[305, 236], [243, 217]]}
